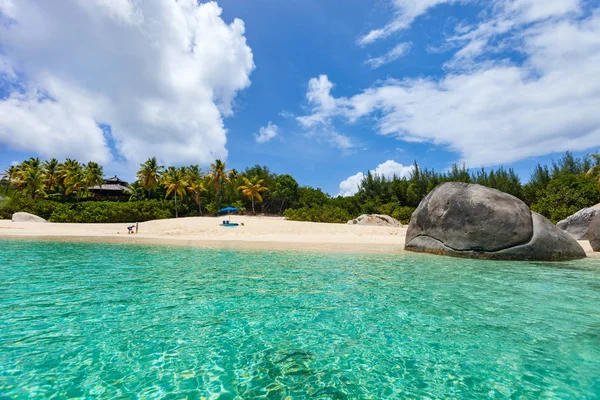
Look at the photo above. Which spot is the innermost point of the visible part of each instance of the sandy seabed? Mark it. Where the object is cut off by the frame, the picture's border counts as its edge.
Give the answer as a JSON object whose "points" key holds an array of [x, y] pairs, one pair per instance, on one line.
{"points": [[273, 233]]}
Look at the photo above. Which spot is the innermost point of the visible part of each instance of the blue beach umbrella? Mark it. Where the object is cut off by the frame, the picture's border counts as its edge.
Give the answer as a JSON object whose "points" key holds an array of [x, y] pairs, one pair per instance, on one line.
{"points": [[228, 210]]}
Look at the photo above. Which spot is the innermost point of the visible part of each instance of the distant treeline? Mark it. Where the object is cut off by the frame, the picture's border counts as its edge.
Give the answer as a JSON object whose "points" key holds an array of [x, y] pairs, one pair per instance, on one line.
{"points": [[60, 191]]}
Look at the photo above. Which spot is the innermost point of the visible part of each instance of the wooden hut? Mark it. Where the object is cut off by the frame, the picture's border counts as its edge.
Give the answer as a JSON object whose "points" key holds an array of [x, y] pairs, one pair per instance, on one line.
{"points": [[113, 188]]}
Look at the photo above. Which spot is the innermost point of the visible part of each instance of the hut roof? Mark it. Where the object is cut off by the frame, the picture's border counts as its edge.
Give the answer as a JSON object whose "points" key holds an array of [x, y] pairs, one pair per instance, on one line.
{"points": [[112, 188], [115, 180]]}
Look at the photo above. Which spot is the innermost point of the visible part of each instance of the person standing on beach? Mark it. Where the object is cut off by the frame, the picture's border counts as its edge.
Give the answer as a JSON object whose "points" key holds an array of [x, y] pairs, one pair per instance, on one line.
{"points": [[137, 225]]}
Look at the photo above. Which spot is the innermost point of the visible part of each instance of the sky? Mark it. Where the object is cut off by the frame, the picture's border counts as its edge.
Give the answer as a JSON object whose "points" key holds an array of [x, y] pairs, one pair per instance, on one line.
{"points": [[324, 90]]}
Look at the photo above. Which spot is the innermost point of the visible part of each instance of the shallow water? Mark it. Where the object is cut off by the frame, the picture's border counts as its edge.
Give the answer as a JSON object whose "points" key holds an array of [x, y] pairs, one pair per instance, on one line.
{"points": [[93, 320]]}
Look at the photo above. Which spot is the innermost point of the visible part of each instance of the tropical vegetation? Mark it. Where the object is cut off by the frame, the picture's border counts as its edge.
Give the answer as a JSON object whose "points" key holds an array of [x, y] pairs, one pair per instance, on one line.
{"points": [[60, 191]]}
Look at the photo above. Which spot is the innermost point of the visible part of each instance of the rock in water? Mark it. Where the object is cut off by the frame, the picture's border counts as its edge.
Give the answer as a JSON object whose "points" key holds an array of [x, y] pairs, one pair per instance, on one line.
{"points": [[578, 224], [375, 220], [26, 217], [473, 221]]}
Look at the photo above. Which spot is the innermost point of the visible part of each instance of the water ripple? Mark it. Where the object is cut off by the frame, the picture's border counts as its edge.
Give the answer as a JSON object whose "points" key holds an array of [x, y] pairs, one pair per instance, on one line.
{"points": [[114, 321]]}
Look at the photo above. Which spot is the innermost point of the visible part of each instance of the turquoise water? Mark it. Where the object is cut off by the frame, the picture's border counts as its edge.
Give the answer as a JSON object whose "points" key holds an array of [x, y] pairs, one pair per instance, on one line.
{"points": [[115, 321]]}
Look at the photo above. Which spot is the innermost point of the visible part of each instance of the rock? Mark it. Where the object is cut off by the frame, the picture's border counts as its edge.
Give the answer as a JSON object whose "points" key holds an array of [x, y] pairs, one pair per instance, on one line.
{"points": [[375, 220], [578, 224], [465, 220], [594, 233], [26, 217]]}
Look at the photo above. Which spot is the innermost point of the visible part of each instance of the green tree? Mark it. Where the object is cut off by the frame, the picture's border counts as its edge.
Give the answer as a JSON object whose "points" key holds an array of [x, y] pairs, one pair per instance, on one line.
{"points": [[216, 175], [10, 175], [286, 189], [149, 174], [93, 175], [174, 181], [51, 170], [565, 195], [72, 177], [594, 170], [31, 177], [252, 188], [196, 184]]}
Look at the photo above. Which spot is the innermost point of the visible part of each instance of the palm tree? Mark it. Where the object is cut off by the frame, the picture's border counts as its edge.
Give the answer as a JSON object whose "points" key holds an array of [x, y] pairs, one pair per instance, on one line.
{"points": [[196, 184], [9, 174], [216, 175], [149, 174], [31, 177], [595, 170], [51, 174], [252, 189], [72, 177], [174, 180], [93, 175]]}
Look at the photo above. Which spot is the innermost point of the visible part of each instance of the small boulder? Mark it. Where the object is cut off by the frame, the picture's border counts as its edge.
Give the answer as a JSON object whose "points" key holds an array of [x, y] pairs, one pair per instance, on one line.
{"points": [[473, 221], [26, 217], [375, 220], [578, 224]]}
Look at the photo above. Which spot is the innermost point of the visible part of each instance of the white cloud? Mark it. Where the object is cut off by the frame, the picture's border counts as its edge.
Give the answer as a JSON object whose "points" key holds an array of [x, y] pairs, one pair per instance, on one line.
{"points": [[161, 73], [400, 50], [495, 113], [340, 141], [349, 186], [388, 169], [507, 16], [324, 105], [266, 133], [391, 168], [406, 12]]}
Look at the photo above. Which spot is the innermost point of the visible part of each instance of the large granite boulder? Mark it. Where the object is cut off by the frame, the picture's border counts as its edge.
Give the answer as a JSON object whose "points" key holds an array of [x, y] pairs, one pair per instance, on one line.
{"points": [[465, 220], [594, 233], [578, 224], [375, 220], [26, 217]]}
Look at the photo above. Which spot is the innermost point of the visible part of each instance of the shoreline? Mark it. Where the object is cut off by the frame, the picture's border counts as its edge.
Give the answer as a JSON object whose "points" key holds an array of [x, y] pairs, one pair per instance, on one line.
{"points": [[257, 233], [369, 248]]}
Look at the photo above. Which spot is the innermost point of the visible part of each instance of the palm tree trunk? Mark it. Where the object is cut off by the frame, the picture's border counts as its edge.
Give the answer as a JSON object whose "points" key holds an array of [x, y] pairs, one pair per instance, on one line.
{"points": [[281, 208], [176, 214], [253, 211]]}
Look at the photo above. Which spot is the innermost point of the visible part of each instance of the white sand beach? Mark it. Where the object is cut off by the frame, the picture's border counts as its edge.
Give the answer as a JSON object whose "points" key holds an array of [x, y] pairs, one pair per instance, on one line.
{"points": [[259, 232]]}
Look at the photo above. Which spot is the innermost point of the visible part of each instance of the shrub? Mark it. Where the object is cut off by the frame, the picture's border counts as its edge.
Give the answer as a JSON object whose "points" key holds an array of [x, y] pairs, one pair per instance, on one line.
{"points": [[113, 212], [403, 214], [41, 208], [326, 213], [565, 195]]}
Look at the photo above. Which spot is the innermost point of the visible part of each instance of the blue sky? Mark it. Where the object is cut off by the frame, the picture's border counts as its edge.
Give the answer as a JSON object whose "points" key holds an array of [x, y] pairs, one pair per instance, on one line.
{"points": [[347, 87]]}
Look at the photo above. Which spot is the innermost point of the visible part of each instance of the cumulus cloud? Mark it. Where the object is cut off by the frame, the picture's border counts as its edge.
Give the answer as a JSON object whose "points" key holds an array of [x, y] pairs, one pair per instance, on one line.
{"points": [[388, 169], [162, 74], [266, 133], [324, 106], [495, 113], [400, 50], [349, 186]]}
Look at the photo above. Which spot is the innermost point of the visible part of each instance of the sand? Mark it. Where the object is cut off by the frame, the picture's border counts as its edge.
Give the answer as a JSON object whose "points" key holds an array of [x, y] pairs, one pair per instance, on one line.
{"points": [[273, 233], [258, 232]]}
